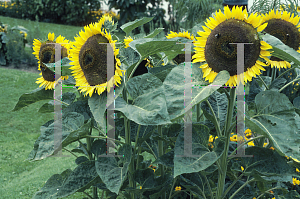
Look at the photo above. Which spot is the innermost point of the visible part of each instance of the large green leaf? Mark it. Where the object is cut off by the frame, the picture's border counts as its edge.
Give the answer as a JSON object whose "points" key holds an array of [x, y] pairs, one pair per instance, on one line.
{"points": [[65, 66], [98, 104], [174, 87], [66, 98], [111, 173], [205, 157], [281, 50], [276, 118], [52, 186], [154, 33], [150, 46], [73, 128], [219, 103], [268, 163], [32, 97], [128, 27], [149, 102], [81, 178]]}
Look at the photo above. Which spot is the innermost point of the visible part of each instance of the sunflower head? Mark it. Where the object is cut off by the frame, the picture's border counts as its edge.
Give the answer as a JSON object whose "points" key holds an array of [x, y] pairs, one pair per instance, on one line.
{"points": [[45, 51], [89, 55], [214, 45], [282, 25], [181, 57]]}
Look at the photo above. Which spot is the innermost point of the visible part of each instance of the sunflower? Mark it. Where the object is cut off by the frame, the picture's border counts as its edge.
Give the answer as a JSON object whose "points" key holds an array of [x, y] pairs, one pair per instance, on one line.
{"points": [[127, 40], [89, 60], [185, 34], [283, 25], [231, 27], [45, 53]]}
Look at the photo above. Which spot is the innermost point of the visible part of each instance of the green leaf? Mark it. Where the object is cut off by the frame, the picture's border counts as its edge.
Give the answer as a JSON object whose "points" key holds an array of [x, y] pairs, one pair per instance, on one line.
{"points": [[52, 186], [281, 50], [199, 147], [65, 65], [166, 159], [32, 97], [149, 104], [68, 98], [219, 103], [268, 164], [128, 27], [277, 84], [81, 178], [150, 46], [174, 87], [111, 173], [73, 128], [276, 118], [98, 104], [154, 33]]}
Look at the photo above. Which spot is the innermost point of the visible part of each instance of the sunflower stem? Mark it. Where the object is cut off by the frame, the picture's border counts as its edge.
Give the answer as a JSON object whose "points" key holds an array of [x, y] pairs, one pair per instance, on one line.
{"points": [[288, 84], [131, 165], [160, 153], [89, 151], [215, 119], [198, 111], [287, 71], [273, 74], [223, 160], [263, 82], [241, 187]]}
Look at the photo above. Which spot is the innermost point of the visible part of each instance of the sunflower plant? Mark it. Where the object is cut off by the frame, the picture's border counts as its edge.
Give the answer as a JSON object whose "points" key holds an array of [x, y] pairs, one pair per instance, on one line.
{"points": [[146, 157]]}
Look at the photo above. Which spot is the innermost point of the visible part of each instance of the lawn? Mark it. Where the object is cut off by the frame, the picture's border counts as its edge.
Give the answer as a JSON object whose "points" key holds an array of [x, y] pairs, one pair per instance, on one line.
{"points": [[20, 178]]}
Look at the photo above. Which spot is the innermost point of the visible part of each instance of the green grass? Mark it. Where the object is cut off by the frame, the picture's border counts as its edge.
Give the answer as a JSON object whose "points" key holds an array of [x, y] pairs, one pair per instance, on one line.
{"points": [[19, 130], [65, 30]]}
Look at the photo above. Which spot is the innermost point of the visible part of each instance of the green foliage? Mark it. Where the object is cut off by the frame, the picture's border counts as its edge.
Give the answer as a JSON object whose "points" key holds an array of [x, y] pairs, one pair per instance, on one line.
{"points": [[135, 9], [54, 11]]}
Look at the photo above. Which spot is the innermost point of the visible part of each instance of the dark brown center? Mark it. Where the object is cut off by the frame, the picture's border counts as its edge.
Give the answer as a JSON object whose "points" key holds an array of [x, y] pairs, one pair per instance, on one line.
{"points": [[221, 55], [93, 59], [285, 31]]}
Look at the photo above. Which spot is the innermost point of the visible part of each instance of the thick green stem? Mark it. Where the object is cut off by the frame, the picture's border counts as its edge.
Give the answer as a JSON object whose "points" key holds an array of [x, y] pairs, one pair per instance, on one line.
{"points": [[160, 153], [273, 74], [296, 79], [131, 165], [89, 150], [215, 119], [198, 112], [223, 160], [241, 188]]}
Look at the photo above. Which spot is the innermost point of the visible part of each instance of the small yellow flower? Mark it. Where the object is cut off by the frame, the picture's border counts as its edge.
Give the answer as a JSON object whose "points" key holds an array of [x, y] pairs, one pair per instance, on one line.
{"points": [[178, 188], [297, 170], [233, 138], [271, 191], [242, 168], [247, 131], [148, 63], [251, 143], [265, 144], [272, 148], [140, 187], [295, 181]]}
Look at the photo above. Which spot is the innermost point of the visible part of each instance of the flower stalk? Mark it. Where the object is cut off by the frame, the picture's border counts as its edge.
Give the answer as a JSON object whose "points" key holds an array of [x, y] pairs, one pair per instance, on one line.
{"points": [[223, 160], [160, 153]]}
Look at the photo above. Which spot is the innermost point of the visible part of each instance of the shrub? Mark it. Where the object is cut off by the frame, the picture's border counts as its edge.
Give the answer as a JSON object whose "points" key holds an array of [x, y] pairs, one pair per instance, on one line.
{"points": [[58, 11]]}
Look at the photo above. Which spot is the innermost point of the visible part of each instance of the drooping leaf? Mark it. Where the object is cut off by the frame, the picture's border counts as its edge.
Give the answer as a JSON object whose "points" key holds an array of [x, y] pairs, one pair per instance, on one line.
{"points": [[281, 50], [67, 98], [154, 32], [65, 66], [32, 97], [128, 27], [277, 84], [174, 87], [204, 158], [81, 178], [52, 186], [219, 103], [276, 118], [73, 128], [111, 173], [149, 104]]}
